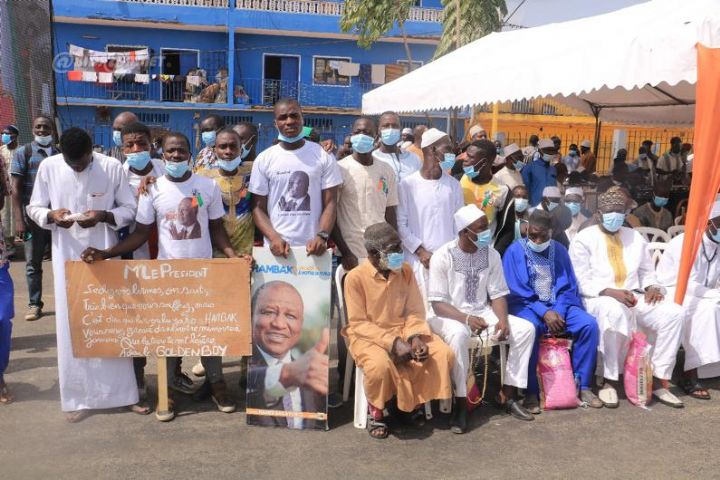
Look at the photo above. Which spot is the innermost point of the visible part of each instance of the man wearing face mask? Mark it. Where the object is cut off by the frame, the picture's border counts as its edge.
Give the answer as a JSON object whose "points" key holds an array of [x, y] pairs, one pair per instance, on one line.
{"points": [[7, 152], [550, 199], [428, 200], [618, 284], [368, 194], [166, 202], [467, 292], [544, 291], [574, 198], [572, 159], [520, 199], [701, 328], [93, 189], [403, 163], [540, 173], [209, 127], [653, 213], [645, 163], [493, 199], [671, 163], [510, 175], [389, 336], [248, 140], [278, 173], [122, 120], [24, 168]]}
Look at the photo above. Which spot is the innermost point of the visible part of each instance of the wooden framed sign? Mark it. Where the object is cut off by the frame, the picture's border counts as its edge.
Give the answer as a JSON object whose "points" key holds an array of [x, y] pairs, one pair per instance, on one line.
{"points": [[159, 308]]}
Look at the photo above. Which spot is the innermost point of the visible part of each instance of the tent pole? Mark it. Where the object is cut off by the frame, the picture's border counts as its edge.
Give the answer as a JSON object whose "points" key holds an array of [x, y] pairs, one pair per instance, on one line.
{"points": [[598, 125]]}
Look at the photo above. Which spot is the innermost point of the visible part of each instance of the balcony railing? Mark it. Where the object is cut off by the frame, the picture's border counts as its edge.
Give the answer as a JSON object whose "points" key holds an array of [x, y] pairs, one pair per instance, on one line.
{"points": [[183, 3], [248, 92], [313, 7]]}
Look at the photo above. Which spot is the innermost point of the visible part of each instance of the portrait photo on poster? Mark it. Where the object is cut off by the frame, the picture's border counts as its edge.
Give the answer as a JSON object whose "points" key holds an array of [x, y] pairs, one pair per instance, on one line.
{"points": [[288, 372], [186, 225]]}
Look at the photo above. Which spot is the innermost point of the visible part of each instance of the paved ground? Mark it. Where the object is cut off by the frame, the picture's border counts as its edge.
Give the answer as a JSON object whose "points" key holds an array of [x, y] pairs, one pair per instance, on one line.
{"points": [[36, 442]]}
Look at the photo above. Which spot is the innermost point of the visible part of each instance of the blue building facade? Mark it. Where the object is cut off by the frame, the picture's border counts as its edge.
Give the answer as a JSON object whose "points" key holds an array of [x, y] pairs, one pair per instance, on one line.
{"points": [[190, 58]]}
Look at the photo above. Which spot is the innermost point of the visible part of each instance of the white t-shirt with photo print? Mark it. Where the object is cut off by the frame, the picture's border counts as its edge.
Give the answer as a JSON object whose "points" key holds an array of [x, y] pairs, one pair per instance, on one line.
{"points": [[183, 211], [293, 181]]}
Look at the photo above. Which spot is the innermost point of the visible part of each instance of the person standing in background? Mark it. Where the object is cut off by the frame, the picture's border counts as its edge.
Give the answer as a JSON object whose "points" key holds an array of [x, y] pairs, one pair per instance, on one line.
{"points": [[7, 151]]}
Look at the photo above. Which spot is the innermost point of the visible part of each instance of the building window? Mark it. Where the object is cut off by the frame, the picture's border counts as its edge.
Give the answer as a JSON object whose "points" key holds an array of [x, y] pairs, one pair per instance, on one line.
{"points": [[415, 64], [129, 64], [325, 71]]}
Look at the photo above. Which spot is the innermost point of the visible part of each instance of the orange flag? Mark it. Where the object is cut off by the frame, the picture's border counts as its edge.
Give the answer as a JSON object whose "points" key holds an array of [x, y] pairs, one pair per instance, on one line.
{"points": [[706, 164]]}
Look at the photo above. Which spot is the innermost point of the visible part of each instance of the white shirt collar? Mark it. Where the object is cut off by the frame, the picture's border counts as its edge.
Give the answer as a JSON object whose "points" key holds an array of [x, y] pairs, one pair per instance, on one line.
{"points": [[270, 360]]}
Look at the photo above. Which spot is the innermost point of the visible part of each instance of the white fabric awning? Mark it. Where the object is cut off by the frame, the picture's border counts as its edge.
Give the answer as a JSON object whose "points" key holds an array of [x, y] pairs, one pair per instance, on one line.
{"points": [[637, 65]]}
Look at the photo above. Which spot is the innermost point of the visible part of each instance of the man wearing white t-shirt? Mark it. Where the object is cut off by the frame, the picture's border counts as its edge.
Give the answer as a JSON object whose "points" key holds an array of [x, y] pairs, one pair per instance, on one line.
{"points": [[367, 196], [294, 187], [135, 145], [180, 195], [403, 163]]}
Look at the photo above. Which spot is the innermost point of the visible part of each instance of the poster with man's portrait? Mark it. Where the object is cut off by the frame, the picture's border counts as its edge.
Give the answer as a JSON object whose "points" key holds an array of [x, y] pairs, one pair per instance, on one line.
{"points": [[287, 382]]}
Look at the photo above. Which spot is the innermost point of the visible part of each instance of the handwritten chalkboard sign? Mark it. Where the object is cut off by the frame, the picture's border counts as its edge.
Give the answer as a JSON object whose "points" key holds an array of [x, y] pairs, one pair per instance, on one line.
{"points": [[160, 308]]}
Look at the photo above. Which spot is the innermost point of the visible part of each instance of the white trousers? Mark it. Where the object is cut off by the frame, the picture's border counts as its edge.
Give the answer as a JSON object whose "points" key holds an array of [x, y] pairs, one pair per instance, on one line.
{"points": [[662, 321], [457, 336], [701, 335]]}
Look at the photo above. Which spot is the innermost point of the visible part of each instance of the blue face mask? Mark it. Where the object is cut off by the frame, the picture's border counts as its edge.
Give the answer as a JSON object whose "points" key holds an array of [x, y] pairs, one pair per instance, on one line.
{"points": [[574, 208], [483, 238], [548, 157], [519, 165], [208, 138], [660, 201], [177, 169], [552, 206], [117, 138], [6, 138], [448, 162], [613, 221], [229, 165], [470, 172], [43, 140], [538, 247], [390, 136], [521, 204], [573, 153], [244, 149], [715, 236], [294, 139], [138, 160], [362, 143], [393, 260]]}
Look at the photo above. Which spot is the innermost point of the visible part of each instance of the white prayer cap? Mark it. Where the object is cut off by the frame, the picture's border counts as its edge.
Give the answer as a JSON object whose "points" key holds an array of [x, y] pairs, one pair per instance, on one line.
{"points": [[467, 215], [475, 129], [585, 143], [407, 131], [551, 192], [431, 136], [575, 191], [545, 143], [510, 149]]}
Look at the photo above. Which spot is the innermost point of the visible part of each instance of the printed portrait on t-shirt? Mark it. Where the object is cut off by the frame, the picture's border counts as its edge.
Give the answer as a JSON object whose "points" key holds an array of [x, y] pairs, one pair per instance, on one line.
{"points": [[296, 198], [186, 225]]}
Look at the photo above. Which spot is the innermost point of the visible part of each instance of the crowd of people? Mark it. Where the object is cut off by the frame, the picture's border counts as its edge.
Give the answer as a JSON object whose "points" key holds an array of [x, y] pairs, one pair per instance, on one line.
{"points": [[441, 242]]}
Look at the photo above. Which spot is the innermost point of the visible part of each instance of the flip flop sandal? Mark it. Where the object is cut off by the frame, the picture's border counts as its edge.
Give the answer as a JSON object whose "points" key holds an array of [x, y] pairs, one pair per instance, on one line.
{"points": [[665, 397], [141, 408], [77, 416], [377, 426], [692, 387], [5, 397]]}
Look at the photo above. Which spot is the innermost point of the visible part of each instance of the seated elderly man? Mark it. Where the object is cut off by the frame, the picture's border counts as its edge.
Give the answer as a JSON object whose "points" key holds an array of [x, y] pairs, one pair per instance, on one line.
{"points": [[389, 336], [543, 290], [467, 292], [701, 328], [617, 281]]}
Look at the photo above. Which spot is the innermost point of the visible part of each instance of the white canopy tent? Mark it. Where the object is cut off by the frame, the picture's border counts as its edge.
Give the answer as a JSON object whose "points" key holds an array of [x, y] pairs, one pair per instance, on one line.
{"points": [[635, 65]]}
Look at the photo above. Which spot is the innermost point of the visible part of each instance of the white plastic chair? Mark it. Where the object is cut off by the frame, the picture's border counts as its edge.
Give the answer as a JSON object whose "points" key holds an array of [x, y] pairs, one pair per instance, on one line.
{"points": [[361, 403], [676, 230], [652, 234], [446, 405], [656, 250]]}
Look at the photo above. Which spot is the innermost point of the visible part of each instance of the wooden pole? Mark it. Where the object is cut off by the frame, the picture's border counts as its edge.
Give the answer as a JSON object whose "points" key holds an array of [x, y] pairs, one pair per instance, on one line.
{"points": [[163, 412], [494, 123]]}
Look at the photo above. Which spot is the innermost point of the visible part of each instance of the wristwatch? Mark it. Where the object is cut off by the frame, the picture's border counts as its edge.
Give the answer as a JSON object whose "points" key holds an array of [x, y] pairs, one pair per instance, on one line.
{"points": [[323, 235]]}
